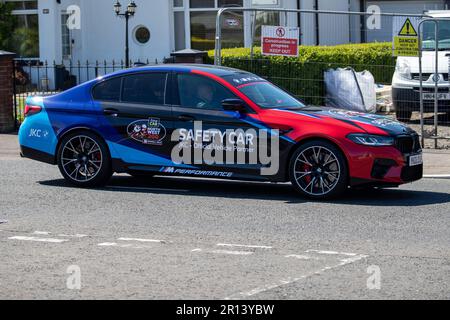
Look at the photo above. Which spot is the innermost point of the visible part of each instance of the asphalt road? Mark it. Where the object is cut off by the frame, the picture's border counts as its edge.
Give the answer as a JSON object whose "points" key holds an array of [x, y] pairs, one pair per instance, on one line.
{"points": [[176, 238]]}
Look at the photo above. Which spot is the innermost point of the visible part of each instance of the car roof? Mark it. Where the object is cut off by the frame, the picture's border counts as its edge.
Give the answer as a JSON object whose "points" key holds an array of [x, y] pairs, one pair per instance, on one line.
{"points": [[216, 70]]}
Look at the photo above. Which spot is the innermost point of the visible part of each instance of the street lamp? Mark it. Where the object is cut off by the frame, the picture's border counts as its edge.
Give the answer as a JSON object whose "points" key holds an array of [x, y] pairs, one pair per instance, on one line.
{"points": [[129, 12]]}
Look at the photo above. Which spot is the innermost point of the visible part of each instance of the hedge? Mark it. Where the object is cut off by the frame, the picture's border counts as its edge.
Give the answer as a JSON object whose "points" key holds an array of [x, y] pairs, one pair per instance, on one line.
{"points": [[303, 75]]}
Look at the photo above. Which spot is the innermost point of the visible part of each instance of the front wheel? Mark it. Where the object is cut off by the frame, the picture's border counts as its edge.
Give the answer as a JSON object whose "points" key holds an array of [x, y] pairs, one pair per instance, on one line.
{"points": [[84, 160], [319, 170]]}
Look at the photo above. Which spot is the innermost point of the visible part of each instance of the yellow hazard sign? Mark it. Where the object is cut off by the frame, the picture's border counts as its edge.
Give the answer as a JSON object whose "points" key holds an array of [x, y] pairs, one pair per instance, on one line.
{"points": [[405, 40], [408, 29]]}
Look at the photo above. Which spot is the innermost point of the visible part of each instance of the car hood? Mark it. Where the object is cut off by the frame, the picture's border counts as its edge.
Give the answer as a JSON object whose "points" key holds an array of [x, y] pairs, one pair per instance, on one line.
{"points": [[370, 123], [428, 62]]}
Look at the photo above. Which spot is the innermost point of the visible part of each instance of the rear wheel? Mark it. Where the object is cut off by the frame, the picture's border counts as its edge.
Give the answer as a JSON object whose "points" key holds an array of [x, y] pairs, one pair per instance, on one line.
{"points": [[84, 160], [318, 170]]}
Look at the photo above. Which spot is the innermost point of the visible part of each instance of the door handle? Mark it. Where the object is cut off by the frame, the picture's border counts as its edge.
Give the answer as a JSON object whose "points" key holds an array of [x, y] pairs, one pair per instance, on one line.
{"points": [[111, 112], [186, 118]]}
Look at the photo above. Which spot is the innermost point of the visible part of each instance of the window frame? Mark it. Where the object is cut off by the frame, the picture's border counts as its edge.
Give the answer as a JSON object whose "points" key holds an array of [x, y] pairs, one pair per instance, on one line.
{"points": [[177, 98], [122, 79]]}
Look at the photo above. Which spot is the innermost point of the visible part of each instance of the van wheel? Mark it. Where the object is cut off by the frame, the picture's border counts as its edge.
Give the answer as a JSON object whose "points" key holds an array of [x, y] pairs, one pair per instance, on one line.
{"points": [[83, 159], [319, 170], [403, 115]]}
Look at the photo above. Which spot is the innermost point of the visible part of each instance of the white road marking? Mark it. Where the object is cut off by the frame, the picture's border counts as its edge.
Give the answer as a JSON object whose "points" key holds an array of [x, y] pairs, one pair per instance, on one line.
{"points": [[243, 253], [331, 252], [73, 236], [42, 233], [114, 244], [437, 176], [141, 240], [299, 256], [243, 246], [36, 239], [196, 250], [246, 294]]}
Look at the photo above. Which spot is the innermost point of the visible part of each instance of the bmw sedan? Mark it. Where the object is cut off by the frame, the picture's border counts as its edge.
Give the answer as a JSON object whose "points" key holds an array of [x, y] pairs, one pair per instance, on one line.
{"points": [[214, 122]]}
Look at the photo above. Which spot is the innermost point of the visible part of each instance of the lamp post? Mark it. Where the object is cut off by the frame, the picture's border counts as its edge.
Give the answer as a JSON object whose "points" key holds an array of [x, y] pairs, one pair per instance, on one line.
{"points": [[129, 12]]}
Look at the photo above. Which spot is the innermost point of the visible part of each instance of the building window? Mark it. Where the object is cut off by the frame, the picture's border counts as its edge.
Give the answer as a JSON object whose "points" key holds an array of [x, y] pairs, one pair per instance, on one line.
{"points": [[24, 5], [202, 3], [26, 33], [230, 3], [142, 35], [178, 4], [65, 37], [203, 30], [179, 26]]}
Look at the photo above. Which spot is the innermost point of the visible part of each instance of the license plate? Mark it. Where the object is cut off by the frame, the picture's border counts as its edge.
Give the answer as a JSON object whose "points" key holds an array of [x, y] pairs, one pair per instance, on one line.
{"points": [[415, 160], [440, 96]]}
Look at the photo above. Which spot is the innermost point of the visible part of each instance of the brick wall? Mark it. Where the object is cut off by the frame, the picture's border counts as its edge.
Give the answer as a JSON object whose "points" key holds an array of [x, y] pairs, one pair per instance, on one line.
{"points": [[6, 92]]}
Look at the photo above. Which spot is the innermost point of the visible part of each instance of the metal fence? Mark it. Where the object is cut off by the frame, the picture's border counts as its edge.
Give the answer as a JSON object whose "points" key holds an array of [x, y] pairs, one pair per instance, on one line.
{"points": [[33, 78], [305, 76]]}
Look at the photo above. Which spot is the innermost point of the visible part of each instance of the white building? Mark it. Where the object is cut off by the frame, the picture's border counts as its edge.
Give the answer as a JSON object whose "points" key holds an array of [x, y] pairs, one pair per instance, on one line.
{"points": [[160, 27]]}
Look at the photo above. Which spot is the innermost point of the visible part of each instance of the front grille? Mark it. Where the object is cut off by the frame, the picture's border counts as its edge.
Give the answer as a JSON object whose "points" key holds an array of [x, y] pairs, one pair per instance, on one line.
{"points": [[426, 76], [410, 174], [408, 144]]}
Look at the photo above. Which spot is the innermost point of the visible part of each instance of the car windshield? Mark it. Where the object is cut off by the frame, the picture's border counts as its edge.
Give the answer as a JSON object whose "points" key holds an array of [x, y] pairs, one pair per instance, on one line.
{"points": [[429, 38], [263, 93]]}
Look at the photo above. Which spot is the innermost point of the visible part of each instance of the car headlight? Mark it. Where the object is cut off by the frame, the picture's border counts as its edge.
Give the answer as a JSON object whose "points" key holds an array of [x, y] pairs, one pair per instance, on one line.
{"points": [[403, 69], [371, 140]]}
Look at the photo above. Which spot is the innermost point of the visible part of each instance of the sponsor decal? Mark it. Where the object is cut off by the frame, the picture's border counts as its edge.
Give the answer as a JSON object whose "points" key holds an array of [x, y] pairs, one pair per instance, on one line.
{"points": [[231, 146], [149, 131], [198, 173], [38, 133], [366, 118]]}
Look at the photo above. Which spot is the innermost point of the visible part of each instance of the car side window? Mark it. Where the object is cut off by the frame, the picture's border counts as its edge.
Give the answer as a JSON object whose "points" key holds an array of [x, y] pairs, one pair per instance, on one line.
{"points": [[201, 93], [146, 88], [108, 90]]}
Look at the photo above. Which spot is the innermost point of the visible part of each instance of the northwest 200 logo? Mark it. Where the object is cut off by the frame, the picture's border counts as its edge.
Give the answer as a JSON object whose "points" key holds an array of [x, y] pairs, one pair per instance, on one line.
{"points": [[149, 131]]}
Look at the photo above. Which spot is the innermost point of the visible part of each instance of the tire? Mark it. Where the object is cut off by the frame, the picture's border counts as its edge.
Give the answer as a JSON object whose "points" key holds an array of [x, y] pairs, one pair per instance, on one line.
{"points": [[318, 170], [84, 160], [403, 115]]}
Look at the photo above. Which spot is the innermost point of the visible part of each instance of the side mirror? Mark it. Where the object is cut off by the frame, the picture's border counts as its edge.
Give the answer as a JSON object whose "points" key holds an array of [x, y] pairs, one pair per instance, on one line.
{"points": [[234, 105]]}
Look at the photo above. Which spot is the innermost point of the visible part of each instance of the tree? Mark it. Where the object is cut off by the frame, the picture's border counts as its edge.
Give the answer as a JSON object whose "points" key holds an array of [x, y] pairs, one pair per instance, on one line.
{"points": [[7, 26]]}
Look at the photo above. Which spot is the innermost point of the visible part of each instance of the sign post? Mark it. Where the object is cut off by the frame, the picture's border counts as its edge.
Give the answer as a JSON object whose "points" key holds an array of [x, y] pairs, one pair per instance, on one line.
{"points": [[280, 41], [405, 37]]}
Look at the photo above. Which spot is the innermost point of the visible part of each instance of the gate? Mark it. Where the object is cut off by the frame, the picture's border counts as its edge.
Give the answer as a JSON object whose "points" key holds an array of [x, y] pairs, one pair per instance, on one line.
{"points": [[304, 77], [435, 125]]}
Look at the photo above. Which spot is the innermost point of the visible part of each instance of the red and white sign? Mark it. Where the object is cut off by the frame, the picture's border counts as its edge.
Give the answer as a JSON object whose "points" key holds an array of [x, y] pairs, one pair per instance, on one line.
{"points": [[280, 41]]}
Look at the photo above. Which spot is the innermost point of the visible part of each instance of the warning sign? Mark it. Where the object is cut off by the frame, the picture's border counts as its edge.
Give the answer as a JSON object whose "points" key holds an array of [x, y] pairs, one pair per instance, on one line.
{"points": [[405, 37], [280, 41], [408, 29]]}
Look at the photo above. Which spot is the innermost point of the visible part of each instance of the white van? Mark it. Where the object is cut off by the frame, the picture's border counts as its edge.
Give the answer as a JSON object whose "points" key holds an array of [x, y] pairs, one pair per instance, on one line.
{"points": [[406, 80]]}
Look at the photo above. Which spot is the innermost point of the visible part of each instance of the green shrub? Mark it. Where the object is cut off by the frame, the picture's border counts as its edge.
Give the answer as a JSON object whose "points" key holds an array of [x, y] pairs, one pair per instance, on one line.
{"points": [[303, 75]]}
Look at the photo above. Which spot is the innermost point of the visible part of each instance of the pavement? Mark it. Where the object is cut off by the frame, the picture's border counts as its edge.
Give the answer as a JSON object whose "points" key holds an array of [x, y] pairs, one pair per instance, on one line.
{"points": [[179, 238]]}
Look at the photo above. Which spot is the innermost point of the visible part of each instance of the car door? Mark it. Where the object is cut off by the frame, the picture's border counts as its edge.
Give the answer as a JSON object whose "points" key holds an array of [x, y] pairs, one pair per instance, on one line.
{"points": [[198, 112], [139, 118]]}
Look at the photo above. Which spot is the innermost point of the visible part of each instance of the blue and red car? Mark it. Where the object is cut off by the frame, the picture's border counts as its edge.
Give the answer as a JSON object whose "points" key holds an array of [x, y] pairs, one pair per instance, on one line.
{"points": [[125, 122]]}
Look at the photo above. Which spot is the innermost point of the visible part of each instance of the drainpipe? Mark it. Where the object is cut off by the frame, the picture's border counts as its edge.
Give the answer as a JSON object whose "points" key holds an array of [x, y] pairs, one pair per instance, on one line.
{"points": [[299, 19], [316, 7], [362, 8]]}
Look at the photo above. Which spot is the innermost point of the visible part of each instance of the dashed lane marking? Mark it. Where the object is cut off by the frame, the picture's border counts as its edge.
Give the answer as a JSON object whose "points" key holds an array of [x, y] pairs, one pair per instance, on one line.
{"points": [[131, 246], [36, 239], [243, 246], [352, 258], [141, 240]]}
